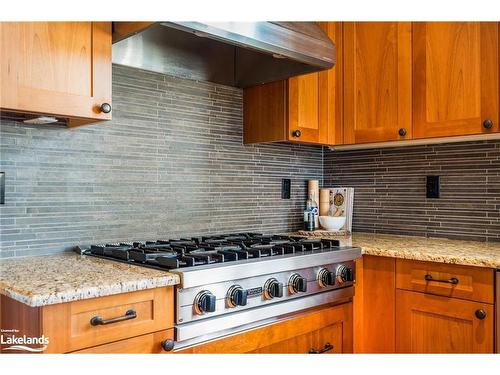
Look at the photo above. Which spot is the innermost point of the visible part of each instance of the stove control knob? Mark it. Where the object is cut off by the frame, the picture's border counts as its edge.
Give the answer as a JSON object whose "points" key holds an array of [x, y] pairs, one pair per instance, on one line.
{"points": [[236, 296], [273, 289], [297, 284], [344, 274], [204, 302], [325, 278]]}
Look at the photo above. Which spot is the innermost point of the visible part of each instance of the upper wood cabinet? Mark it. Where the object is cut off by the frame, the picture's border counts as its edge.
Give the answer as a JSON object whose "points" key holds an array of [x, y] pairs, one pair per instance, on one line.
{"points": [[305, 108], [61, 69], [455, 75], [377, 81]]}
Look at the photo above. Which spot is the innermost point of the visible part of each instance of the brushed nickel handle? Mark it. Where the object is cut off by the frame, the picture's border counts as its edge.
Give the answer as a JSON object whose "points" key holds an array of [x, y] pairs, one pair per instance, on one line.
{"points": [[452, 280], [326, 348], [98, 321]]}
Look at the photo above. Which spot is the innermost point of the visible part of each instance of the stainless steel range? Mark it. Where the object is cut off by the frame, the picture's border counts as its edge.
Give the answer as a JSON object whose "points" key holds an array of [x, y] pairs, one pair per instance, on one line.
{"points": [[231, 283]]}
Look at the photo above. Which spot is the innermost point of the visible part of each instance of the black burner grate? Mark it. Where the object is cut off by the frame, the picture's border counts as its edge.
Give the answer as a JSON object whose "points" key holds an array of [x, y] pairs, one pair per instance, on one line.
{"points": [[195, 251]]}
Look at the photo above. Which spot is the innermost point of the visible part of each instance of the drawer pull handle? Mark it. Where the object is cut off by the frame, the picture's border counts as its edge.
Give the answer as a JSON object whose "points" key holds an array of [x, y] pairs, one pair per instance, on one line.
{"points": [[452, 280], [326, 348], [98, 321]]}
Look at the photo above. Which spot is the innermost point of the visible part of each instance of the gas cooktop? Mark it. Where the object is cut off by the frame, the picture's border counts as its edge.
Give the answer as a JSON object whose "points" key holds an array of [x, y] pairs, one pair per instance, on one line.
{"points": [[207, 250], [233, 282]]}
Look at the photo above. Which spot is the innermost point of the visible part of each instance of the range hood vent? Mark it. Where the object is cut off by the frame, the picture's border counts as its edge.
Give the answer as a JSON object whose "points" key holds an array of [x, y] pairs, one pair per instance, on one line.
{"points": [[237, 54]]}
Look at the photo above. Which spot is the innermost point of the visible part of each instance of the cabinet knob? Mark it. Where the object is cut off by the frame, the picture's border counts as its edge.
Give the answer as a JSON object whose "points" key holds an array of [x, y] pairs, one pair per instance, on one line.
{"points": [[402, 132], [480, 314], [487, 124], [105, 107], [167, 345], [296, 133]]}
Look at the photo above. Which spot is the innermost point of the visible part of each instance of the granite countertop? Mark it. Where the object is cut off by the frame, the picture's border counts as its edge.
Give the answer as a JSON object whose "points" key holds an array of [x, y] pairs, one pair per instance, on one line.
{"points": [[65, 277], [469, 253]]}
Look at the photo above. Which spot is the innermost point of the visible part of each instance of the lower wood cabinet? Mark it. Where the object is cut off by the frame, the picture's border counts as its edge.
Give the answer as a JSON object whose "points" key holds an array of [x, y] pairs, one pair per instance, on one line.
{"points": [[125, 322], [434, 324], [328, 330], [408, 306], [374, 305]]}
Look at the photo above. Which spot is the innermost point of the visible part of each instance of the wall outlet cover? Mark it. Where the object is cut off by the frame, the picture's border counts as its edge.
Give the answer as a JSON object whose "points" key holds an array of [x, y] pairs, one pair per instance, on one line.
{"points": [[432, 187], [2, 187], [286, 188]]}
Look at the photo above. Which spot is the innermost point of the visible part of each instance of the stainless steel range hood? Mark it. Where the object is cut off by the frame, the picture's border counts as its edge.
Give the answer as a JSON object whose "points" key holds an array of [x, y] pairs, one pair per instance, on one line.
{"points": [[238, 54]]}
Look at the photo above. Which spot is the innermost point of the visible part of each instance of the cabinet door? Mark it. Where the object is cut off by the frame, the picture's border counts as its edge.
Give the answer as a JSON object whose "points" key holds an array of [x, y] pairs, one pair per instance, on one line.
{"points": [[303, 109], [56, 68], [455, 70], [377, 81], [314, 103], [327, 330], [433, 324]]}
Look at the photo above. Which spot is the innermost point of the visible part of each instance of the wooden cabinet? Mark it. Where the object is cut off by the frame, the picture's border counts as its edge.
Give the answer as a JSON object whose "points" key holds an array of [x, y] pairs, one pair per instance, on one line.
{"points": [[443, 308], [397, 309], [377, 81], [449, 280], [70, 327], [97, 322], [327, 330], [304, 109], [375, 305], [62, 69], [393, 81], [432, 324], [151, 343], [455, 75]]}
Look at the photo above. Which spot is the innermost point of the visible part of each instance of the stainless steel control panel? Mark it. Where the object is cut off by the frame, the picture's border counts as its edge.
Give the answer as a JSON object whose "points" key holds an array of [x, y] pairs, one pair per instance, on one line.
{"points": [[220, 298]]}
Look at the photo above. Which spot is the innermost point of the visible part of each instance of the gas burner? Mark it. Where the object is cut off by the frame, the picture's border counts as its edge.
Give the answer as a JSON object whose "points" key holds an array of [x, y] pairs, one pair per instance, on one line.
{"points": [[206, 250]]}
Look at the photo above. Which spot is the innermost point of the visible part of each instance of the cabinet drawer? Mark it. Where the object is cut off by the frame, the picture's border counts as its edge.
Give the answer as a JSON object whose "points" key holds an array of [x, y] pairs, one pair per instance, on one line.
{"points": [[86, 323], [145, 344], [465, 282]]}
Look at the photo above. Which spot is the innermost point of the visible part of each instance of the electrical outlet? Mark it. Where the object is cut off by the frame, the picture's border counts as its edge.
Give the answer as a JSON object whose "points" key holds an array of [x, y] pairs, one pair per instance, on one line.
{"points": [[432, 187], [2, 187], [286, 188]]}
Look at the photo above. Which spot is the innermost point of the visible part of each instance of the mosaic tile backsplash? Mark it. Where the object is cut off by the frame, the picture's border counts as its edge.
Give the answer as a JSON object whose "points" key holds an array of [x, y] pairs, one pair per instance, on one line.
{"points": [[170, 163], [390, 189]]}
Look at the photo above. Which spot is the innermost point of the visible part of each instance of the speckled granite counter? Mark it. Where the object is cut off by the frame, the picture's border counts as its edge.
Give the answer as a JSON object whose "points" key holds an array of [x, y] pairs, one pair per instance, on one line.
{"points": [[38, 281], [470, 253]]}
